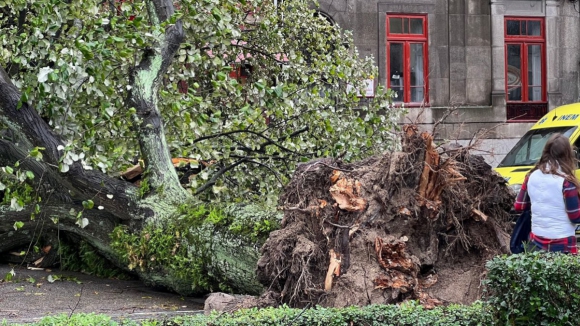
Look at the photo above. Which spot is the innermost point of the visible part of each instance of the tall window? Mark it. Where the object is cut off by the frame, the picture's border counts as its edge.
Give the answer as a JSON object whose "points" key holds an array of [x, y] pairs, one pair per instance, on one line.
{"points": [[525, 68], [407, 57]]}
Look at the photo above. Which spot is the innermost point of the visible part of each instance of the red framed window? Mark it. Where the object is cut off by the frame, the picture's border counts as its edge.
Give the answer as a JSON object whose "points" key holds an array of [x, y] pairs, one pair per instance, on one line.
{"points": [[407, 57], [525, 70], [241, 72]]}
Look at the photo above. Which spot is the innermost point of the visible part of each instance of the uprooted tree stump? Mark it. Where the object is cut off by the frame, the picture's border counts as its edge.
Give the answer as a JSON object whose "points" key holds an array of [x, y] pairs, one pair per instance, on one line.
{"points": [[417, 224]]}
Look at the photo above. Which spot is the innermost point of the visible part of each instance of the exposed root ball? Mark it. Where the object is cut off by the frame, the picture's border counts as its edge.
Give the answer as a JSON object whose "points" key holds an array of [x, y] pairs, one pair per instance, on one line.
{"points": [[417, 224]]}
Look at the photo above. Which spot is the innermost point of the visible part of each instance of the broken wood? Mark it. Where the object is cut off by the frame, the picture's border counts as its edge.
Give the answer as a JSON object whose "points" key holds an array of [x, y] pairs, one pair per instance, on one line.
{"points": [[480, 216], [346, 193], [429, 175], [38, 261], [334, 176], [333, 270], [353, 230], [134, 173], [391, 254]]}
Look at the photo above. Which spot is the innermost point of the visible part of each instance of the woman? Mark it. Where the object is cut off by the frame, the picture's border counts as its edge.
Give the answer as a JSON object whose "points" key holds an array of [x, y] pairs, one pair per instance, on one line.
{"points": [[551, 191]]}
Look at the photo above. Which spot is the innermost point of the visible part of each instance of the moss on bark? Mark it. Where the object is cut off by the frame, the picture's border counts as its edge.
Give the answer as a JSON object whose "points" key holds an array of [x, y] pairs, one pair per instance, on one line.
{"points": [[198, 249]]}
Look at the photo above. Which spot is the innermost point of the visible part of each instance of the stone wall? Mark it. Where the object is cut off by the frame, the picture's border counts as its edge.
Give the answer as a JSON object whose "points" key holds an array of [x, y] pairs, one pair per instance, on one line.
{"points": [[467, 59]]}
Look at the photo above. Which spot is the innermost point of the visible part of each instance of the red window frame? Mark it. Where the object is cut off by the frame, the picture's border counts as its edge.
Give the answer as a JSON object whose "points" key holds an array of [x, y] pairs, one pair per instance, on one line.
{"points": [[241, 72], [407, 39], [526, 109]]}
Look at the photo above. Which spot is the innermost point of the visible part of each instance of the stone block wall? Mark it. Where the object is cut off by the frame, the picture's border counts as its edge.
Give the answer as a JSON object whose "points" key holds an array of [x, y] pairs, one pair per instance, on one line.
{"points": [[466, 53]]}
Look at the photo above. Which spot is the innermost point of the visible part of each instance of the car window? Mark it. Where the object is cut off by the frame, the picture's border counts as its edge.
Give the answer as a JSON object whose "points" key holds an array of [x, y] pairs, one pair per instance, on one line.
{"points": [[528, 150], [576, 149]]}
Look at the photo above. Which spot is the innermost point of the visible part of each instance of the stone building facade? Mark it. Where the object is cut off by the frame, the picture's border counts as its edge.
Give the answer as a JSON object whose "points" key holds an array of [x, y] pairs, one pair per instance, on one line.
{"points": [[501, 63]]}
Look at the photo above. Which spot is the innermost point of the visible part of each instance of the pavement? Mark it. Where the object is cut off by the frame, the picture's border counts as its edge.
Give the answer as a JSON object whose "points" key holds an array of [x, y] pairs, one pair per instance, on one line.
{"points": [[34, 294]]}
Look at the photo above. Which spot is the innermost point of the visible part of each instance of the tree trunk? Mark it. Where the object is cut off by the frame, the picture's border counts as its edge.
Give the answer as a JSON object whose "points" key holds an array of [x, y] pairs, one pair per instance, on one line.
{"points": [[149, 234]]}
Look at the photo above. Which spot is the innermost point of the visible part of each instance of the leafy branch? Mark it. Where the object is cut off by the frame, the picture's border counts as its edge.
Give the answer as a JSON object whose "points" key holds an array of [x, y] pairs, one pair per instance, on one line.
{"points": [[217, 175]]}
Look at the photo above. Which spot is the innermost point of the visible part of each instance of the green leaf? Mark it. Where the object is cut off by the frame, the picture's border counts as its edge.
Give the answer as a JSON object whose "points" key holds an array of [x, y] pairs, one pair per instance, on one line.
{"points": [[278, 91], [42, 77], [216, 14], [18, 225], [36, 153], [88, 204], [126, 6], [8, 277], [328, 126], [52, 76], [260, 85]]}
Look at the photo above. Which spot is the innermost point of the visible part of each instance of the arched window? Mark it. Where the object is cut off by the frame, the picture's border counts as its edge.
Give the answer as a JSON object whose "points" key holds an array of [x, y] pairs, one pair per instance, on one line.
{"points": [[326, 16]]}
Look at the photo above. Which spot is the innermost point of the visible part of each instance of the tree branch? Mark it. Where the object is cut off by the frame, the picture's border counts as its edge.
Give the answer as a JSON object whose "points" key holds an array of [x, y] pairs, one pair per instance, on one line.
{"points": [[266, 157], [21, 19], [57, 218], [269, 141], [197, 140], [269, 168], [292, 135], [22, 120], [82, 184], [145, 80], [218, 174], [44, 175], [100, 221]]}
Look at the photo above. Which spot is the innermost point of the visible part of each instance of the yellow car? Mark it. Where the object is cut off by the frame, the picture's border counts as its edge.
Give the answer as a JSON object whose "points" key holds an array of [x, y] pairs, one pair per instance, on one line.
{"points": [[527, 151]]}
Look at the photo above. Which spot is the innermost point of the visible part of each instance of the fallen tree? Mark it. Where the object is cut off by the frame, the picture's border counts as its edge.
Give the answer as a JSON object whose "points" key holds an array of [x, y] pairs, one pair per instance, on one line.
{"points": [[418, 224], [242, 90]]}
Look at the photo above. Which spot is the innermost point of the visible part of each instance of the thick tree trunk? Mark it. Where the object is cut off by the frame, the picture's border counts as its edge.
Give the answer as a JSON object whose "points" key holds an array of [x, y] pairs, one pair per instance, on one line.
{"points": [[120, 216]]}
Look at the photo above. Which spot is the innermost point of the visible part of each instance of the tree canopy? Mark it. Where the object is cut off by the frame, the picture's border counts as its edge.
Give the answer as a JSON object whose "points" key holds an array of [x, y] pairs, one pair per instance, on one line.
{"points": [[244, 90]]}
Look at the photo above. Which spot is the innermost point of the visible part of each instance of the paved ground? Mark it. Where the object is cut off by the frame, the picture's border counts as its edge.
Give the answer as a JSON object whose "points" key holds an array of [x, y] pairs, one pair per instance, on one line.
{"points": [[30, 296]]}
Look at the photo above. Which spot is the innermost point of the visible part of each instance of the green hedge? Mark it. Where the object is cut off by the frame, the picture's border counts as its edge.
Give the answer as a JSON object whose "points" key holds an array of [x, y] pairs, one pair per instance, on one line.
{"points": [[528, 289], [408, 314], [536, 288], [73, 320]]}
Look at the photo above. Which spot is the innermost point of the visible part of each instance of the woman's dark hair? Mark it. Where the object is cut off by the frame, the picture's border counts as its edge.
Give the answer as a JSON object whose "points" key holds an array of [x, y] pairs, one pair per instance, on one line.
{"points": [[558, 158]]}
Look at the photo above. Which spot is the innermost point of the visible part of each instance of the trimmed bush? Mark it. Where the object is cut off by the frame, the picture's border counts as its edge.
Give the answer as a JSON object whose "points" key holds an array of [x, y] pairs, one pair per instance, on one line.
{"points": [[408, 314], [76, 320], [536, 288]]}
